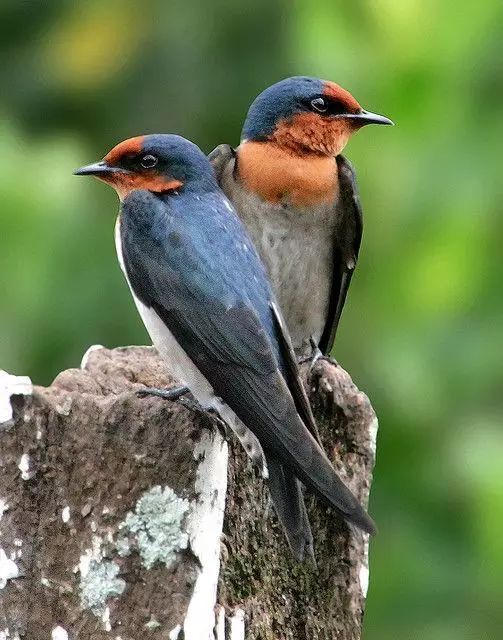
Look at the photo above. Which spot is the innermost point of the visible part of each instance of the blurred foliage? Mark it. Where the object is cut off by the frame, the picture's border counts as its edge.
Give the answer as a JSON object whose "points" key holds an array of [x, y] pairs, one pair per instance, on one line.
{"points": [[422, 328]]}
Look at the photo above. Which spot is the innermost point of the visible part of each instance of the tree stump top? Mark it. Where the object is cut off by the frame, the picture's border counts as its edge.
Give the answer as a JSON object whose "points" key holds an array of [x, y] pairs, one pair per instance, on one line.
{"points": [[112, 515]]}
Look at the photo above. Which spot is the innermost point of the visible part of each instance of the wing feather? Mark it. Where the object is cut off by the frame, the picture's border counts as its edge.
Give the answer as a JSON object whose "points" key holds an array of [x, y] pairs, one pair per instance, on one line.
{"points": [[347, 242]]}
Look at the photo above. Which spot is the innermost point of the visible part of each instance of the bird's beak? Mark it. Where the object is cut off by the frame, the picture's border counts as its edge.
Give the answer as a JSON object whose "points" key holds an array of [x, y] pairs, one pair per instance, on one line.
{"points": [[367, 117], [99, 169]]}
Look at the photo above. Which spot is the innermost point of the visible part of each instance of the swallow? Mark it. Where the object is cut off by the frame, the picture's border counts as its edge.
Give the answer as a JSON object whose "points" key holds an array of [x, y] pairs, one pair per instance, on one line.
{"points": [[205, 299], [297, 196]]}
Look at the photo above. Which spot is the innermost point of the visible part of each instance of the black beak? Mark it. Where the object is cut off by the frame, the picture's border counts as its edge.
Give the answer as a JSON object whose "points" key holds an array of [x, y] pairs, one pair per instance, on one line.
{"points": [[96, 169], [367, 117]]}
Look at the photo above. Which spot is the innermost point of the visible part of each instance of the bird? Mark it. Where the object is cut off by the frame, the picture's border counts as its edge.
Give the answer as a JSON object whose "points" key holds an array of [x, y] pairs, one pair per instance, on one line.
{"points": [[205, 299], [298, 198]]}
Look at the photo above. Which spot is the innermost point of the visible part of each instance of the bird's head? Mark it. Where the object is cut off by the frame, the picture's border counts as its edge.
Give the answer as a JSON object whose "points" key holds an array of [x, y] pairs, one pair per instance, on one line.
{"points": [[307, 115], [159, 163]]}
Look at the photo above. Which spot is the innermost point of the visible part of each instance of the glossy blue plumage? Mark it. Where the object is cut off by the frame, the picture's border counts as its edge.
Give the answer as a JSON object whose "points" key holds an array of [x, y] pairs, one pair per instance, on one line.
{"points": [[205, 250], [283, 99]]}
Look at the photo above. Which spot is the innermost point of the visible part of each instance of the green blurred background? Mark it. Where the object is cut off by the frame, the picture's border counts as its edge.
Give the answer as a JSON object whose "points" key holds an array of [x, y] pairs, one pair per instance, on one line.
{"points": [[422, 328]]}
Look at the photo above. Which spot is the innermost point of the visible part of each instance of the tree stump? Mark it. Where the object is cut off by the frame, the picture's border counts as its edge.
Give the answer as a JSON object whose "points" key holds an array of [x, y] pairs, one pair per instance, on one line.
{"points": [[131, 518]]}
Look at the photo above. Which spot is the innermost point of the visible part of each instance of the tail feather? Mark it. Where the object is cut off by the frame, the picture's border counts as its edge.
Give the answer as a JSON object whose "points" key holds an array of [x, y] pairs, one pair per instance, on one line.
{"points": [[320, 476], [286, 495]]}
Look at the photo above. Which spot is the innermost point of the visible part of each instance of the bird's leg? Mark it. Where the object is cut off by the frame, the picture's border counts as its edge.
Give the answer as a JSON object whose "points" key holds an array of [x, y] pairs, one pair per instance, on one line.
{"points": [[181, 395], [173, 394], [225, 419], [324, 375], [315, 356]]}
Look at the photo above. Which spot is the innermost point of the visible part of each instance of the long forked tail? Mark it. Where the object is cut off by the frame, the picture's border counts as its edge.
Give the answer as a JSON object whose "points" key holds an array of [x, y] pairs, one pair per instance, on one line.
{"points": [[286, 495]]}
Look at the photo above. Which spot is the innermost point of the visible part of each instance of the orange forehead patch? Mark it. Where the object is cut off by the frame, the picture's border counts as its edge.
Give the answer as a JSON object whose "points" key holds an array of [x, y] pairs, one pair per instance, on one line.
{"points": [[127, 147], [336, 92]]}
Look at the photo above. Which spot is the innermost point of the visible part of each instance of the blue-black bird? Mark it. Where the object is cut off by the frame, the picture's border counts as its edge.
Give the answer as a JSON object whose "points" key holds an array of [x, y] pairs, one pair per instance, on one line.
{"points": [[207, 304], [297, 196]]}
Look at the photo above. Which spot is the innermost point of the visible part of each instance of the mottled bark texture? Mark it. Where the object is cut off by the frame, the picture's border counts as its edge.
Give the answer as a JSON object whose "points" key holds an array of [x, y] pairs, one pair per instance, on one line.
{"points": [[105, 531]]}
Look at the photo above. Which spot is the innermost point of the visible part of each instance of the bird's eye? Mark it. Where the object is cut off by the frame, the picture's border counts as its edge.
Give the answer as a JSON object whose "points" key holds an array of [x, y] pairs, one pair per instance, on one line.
{"points": [[337, 108], [148, 161], [319, 104]]}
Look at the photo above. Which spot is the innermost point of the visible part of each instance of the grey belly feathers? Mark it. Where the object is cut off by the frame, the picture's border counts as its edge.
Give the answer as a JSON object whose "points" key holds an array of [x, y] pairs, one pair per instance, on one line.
{"points": [[297, 249]]}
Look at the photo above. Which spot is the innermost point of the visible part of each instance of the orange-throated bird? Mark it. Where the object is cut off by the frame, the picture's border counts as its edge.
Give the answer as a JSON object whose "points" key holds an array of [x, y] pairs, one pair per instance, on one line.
{"points": [[205, 299], [297, 196]]}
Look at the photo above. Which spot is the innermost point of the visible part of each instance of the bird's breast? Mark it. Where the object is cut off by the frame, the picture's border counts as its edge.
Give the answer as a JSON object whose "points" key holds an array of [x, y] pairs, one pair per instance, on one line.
{"points": [[296, 247], [280, 177]]}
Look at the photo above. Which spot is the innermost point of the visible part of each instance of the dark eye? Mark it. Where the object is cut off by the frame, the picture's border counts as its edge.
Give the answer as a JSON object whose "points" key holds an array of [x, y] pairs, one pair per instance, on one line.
{"points": [[148, 161], [337, 107], [319, 104]]}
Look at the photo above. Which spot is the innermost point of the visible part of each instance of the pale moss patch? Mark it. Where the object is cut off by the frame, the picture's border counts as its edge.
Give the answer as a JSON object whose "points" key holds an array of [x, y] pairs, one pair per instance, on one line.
{"points": [[99, 583], [155, 527], [152, 624]]}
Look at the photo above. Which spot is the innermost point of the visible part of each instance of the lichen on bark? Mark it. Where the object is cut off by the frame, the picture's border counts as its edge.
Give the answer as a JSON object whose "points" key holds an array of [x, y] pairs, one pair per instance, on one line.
{"points": [[156, 527]]}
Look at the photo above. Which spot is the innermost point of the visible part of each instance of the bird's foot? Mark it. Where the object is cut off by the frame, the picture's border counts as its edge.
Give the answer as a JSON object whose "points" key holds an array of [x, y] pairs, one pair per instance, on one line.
{"points": [[245, 436], [181, 395], [315, 356], [173, 394]]}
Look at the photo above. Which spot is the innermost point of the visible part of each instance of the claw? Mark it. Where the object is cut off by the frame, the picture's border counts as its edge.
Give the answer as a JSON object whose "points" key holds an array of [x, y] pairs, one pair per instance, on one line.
{"points": [[315, 355], [173, 394], [246, 437]]}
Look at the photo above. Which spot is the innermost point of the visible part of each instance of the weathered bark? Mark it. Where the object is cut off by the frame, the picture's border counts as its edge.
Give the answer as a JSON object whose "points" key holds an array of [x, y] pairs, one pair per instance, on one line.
{"points": [[112, 507]]}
